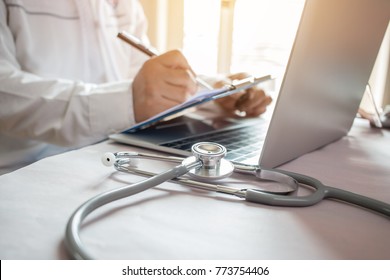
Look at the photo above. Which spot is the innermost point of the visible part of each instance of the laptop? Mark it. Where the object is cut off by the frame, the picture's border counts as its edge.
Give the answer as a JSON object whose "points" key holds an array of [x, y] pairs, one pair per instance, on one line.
{"points": [[333, 54]]}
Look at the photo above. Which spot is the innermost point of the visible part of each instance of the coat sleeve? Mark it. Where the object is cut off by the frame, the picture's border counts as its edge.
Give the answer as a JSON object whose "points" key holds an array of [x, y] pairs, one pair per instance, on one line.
{"points": [[58, 111]]}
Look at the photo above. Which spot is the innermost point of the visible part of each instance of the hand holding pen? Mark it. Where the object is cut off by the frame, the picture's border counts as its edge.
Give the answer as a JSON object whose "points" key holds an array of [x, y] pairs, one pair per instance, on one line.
{"points": [[162, 82], [173, 82], [150, 51]]}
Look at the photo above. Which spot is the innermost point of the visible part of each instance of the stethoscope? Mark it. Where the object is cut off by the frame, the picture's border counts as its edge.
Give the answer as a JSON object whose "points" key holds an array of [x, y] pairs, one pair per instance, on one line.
{"points": [[207, 164]]}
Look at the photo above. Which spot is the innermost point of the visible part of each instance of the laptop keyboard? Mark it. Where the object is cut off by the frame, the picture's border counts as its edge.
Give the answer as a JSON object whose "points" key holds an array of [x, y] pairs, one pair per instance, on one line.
{"points": [[241, 143]]}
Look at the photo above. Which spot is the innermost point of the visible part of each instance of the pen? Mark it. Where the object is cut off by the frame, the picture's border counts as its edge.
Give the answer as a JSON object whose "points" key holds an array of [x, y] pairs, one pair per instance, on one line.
{"points": [[136, 43]]}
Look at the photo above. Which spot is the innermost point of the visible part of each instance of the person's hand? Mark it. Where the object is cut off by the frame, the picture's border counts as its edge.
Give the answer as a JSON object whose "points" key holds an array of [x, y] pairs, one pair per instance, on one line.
{"points": [[251, 102], [162, 82]]}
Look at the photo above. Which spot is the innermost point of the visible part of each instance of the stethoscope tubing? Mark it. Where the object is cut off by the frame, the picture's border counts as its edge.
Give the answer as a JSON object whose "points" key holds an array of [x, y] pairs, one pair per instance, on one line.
{"points": [[291, 201], [72, 237], [321, 192], [358, 200], [327, 192]]}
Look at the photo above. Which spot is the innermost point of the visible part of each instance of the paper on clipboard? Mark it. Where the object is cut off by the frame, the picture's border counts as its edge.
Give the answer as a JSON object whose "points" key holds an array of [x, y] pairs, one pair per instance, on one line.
{"points": [[200, 98]]}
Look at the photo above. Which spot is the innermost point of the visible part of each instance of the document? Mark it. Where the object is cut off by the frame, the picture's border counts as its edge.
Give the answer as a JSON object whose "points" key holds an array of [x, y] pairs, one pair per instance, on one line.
{"points": [[200, 98]]}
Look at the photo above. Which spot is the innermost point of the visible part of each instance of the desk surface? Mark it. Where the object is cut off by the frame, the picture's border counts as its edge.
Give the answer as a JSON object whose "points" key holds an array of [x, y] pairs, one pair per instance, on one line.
{"points": [[173, 222]]}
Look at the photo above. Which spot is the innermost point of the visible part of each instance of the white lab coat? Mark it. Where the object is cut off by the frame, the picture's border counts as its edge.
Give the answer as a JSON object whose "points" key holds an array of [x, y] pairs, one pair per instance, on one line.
{"points": [[65, 79]]}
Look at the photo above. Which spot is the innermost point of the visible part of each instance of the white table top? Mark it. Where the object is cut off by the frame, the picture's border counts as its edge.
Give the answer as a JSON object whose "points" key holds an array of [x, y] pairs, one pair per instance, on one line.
{"points": [[174, 222]]}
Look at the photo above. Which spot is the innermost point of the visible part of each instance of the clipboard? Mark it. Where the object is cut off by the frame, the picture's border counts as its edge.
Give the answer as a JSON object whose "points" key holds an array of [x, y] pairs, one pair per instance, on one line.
{"points": [[201, 97]]}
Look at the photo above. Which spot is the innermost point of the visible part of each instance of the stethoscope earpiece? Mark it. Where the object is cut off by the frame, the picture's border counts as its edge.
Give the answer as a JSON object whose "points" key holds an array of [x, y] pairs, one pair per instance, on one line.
{"points": [[129, 158], [108, 159]]}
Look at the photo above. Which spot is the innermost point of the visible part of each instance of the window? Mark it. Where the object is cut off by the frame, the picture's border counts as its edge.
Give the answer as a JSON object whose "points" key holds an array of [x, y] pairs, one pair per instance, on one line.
{"points": [[253, 36], [229, 36], [201, 29]]}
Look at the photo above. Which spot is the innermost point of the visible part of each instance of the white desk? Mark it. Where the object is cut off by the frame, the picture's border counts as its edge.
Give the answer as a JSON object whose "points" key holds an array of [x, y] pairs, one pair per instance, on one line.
{"points": [[173, 222]]}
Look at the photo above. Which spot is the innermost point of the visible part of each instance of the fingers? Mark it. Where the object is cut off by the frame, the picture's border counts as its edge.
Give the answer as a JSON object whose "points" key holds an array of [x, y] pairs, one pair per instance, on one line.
{"points": [[177, 71], [173, 84], [252, 102], [162, 82], [180, 78], [238, 76], [173, 59], [230, 79]]}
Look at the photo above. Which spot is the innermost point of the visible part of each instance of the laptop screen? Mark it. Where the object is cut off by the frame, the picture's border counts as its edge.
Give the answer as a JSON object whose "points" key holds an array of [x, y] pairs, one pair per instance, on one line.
{"points": [[330, 64]]}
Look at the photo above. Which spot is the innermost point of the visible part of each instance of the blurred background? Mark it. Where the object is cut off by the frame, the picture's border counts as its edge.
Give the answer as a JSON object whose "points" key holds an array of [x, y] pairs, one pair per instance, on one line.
{"points": [[229, 36]]}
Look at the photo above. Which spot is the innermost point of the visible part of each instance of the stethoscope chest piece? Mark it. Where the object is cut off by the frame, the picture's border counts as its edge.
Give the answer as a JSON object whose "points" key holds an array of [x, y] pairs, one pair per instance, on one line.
{"points": [[214, 166]]}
